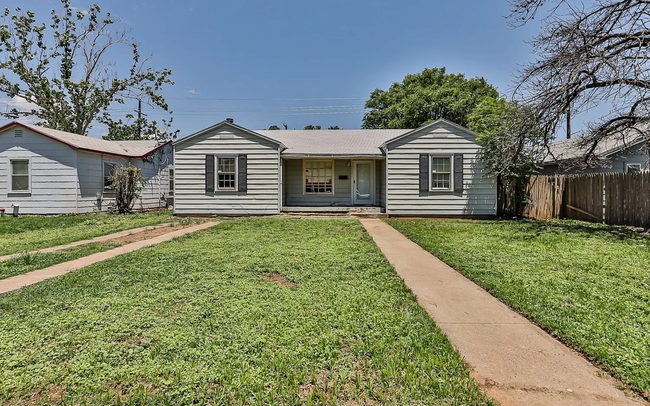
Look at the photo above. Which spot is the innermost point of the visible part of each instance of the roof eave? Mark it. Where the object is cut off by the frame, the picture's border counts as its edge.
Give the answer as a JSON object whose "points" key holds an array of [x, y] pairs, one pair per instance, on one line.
{"points": [[343, 156], [431, 124], [77, 148], [223, 123]]}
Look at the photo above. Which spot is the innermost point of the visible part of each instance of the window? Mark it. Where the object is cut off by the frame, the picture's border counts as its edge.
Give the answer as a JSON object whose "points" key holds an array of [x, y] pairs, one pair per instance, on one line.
{"points": [[171, 182], [319, 177], [19, 175], [109, 170], [633, 168], [440, 173], [226, 173]]}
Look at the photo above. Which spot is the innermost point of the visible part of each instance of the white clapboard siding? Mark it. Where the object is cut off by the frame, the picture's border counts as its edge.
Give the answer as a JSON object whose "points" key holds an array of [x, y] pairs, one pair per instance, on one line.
{"points": [[155, 170], [402, 159], [53, 168], [262, 196]]}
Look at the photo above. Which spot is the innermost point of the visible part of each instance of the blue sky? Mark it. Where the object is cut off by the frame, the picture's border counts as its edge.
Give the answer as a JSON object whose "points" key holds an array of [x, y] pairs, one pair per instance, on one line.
{"points": [[307, 62]]}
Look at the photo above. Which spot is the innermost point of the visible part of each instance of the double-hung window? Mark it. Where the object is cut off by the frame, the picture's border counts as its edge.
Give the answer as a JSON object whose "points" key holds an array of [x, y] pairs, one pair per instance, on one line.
{"points": [[319, 177], [441, 169], [20, 181], [226, 173], [109, 171]]}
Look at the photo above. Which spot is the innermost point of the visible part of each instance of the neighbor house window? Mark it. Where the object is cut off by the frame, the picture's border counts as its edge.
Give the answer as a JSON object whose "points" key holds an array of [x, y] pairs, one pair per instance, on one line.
{"points": [[319, 177], [19, 175], [633, 168], [171, 182], [226, 173], [109, 170], [440, 173]]}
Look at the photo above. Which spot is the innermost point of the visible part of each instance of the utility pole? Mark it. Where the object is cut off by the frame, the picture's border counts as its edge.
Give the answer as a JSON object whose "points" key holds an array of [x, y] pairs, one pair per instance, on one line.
{"points": [[568, 123], [139, 111]]}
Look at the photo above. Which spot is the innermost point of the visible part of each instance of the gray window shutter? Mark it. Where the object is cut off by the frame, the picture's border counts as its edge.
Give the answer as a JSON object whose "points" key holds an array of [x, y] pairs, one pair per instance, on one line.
{"points": [[458, 173], [209, 173], [242, 178], [424, 172]]}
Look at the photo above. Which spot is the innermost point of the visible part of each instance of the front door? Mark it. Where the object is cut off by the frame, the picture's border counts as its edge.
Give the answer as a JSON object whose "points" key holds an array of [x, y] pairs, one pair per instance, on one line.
{"points": [[363, 182]]}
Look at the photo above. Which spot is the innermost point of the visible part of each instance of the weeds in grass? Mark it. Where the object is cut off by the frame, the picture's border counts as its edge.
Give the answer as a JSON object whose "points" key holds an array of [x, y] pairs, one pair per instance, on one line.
{"points": [[585, 283], [28, 262], [195, 321], [30, 233]]}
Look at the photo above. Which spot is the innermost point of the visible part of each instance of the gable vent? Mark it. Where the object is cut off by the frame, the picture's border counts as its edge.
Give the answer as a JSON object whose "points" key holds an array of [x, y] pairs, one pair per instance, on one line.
{"points": [[18, 133]]}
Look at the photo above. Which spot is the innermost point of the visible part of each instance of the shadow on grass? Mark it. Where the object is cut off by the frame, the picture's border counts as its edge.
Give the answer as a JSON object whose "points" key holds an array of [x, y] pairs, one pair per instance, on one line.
{"points": [[563, 226]]}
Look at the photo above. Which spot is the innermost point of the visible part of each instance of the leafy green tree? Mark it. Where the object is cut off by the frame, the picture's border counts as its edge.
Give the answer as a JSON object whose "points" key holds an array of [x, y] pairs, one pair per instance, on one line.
{"points": [[274, 127], [333, 127], [424, 97], [312, 127], [60, 67], [513, 145]]}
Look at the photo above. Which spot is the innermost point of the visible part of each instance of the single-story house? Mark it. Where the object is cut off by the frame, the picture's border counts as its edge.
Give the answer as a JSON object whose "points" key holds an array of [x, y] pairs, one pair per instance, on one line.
{"points": [[620, 154], [45, 171], [433, 170]]}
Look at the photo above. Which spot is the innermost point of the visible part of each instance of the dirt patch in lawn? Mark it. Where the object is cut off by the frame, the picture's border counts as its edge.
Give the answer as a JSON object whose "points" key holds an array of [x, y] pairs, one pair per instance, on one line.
{"points": [[279, 278]]}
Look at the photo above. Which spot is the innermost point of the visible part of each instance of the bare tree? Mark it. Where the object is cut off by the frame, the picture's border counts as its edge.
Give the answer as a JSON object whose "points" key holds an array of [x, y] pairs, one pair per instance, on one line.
{"points": [[61, 67], [587, 56]]}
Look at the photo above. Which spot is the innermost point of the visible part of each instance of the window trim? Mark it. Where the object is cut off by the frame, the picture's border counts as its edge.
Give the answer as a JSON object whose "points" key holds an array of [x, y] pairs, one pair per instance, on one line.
{"points": [[216, 173], [451, 173], [29, 175], [627, 167], [114, 165], [304, 177]]}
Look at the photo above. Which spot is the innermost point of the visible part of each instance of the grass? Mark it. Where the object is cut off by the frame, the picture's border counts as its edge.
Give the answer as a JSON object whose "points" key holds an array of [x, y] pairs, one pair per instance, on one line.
{"points": [[203, 320], [31, 262], [29, 233], [587, 284]]}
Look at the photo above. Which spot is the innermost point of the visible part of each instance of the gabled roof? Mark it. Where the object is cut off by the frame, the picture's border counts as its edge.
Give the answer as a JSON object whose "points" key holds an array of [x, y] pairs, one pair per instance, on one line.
{"points": [[127, 149], [568, 150], [229, 124], [334, 143], [429, 125]]}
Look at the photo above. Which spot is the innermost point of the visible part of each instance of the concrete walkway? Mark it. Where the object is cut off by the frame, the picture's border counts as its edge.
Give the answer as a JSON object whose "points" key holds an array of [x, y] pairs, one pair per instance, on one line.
{"points": [[101, 238], [19, 281], [513, 360]]}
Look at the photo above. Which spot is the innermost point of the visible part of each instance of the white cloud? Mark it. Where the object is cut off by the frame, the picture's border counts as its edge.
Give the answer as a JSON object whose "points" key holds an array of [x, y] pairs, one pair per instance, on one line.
{"points": [[17, 103], [192, 91]]}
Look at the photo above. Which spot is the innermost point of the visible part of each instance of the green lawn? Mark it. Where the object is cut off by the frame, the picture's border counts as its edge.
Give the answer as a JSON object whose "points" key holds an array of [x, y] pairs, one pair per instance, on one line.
{"points": [[30, 262], [203, 320], [28, 233], [587, 284]]}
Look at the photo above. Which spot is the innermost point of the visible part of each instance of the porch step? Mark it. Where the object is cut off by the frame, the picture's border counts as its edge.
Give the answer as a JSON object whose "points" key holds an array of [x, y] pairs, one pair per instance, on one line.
{"points": [[359, 211]]}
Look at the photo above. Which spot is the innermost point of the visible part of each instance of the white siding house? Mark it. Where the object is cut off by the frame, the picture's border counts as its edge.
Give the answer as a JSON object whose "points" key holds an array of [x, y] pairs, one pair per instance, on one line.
{"points": [[44, 171], [229, 170], [434, 171]]}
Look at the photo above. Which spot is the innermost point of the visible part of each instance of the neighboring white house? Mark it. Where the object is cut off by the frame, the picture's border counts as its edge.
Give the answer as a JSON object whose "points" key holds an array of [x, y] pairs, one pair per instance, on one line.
{"points": [[432, 170], [621, 154], [45, 171]]}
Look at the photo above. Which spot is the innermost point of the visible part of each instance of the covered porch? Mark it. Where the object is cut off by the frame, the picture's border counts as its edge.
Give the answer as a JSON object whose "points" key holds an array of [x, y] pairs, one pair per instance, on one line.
{"points": [[334, 185]]}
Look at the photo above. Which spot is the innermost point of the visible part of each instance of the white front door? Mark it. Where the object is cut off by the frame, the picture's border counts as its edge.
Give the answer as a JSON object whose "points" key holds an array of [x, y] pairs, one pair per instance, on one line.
{"points": [[363, 182]]}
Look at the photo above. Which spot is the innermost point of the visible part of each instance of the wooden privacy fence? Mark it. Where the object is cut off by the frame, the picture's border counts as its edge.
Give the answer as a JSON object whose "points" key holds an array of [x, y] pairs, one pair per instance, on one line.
{"points": [[612, 198]]}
